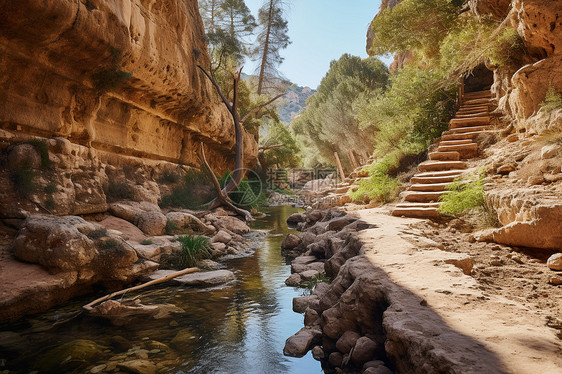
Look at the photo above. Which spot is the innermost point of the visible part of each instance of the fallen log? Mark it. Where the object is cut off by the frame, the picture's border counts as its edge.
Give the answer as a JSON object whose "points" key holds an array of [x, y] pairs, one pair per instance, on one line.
{"points": [[90, 306]]}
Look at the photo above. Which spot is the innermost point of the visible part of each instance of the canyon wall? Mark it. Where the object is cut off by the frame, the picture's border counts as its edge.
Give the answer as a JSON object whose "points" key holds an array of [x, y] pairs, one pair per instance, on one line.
{"points": [[117, 75], [111, 92]]}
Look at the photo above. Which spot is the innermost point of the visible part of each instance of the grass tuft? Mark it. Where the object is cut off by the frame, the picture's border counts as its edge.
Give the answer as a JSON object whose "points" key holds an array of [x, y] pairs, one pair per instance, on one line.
{"points": [[193, 249]]}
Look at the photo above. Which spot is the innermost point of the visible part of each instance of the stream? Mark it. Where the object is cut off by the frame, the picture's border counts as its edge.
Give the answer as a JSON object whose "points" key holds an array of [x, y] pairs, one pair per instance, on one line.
{"points": [[237, 328]]}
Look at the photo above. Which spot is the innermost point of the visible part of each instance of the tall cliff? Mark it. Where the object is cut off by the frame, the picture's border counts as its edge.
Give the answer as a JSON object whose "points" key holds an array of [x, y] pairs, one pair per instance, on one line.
{"points": [[110, 83], [119, 75]]}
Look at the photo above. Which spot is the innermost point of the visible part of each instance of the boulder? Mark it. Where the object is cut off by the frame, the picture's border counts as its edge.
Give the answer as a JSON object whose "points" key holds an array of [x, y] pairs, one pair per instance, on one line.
{"points": [[309, 274], [300, 343], [294, 280], [186, 223], [554, 262], [221, 237], [205, 279], [56, 242], [363, 351], [338, 224], [231, 224], [377, 370], [301, 303], [140, 366], [347, 341], [151, 223], [24, 156], [335, 359], [290, 242], [69, 356], [296, 218]]}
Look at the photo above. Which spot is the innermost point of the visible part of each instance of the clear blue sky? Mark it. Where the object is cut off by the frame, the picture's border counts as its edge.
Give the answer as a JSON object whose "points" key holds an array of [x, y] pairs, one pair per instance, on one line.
{"points": [[321, 31]]}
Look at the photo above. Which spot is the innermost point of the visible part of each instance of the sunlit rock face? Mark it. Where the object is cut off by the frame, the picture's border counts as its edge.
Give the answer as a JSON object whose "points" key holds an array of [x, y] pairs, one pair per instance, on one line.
{"points": [[118, 75]]}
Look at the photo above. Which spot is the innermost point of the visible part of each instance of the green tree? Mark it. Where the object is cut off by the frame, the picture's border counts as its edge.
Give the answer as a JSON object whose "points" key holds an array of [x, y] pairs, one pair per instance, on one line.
{"points": [[279, 147], [228, 25], [272, 38], [328, 124]]}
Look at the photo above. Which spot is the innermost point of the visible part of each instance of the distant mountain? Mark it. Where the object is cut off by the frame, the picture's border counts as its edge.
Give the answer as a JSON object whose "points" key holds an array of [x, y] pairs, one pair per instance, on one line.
{"points": [[293, 103], [294, 100]]}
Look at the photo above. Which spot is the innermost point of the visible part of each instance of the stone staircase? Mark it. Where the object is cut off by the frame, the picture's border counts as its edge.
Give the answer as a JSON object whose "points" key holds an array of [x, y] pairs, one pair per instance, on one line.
{"points": [[446, 157]]}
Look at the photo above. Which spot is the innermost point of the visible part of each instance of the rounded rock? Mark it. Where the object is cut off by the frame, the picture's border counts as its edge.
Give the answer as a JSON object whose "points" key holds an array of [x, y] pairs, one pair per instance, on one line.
{"points": [[554, 262]]}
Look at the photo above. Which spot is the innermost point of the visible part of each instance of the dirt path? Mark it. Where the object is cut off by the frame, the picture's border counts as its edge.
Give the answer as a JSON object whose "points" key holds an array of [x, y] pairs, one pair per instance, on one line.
{"points": [[509, 307]]}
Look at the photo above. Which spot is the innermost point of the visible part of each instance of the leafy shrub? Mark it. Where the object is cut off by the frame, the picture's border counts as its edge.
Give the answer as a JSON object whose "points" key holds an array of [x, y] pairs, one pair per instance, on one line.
{"points": [[96, 234], [248, 194], [169, 177], [313, 282], [193, 249], [411, 113], [380, 186], [146, 242], [464, 195], [50, 189], [24, 181], [119, 190], [171, 227], [43, 149], [194, 191], [50, 203], [110, 243], [474, 41], [552, 100]]}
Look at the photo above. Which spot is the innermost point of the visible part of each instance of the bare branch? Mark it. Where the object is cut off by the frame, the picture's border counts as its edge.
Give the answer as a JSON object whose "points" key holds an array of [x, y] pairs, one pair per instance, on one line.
{"points": [[260, 107], [217, 87]]}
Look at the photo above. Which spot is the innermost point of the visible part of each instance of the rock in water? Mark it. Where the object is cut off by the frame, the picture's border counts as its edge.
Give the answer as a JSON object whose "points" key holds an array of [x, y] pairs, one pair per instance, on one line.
{"points": [[300, 343]]}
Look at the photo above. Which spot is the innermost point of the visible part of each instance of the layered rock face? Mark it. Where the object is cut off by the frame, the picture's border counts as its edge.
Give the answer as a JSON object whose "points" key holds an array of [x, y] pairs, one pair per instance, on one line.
{"points": [[117, 75]]}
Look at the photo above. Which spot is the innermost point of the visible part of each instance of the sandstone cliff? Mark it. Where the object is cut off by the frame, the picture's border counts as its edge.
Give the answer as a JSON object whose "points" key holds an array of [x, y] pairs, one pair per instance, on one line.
{"points": [[116, 83]]}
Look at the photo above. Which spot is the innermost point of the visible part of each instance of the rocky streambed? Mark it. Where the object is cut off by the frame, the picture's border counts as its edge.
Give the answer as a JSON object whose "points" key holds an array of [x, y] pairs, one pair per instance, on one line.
{"points": [[235, 327]]}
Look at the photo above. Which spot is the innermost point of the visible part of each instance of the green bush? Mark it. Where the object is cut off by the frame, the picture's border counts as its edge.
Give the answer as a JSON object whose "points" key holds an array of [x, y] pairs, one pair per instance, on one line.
{"points": [[171, 227], [96, 234], [43, 149], [146, 242], [119, 190], [110, 243], [552, 100], [24, 181], [248, 194], [464, 195], [380, 186], [193, 249], [194, 191]]}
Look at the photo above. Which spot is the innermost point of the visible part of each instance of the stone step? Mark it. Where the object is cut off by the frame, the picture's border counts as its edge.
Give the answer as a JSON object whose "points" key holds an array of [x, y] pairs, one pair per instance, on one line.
{"points": [[468, 122], [423, 197], [430, 180], [428, 187], [462, 136], [477, 95], [478, 114], [473, 108], [462, 130], [477, 101], [442, 173], [465, 150], [455, 142], [441, 165], [418, 205], [416, 212], [445, 156]]}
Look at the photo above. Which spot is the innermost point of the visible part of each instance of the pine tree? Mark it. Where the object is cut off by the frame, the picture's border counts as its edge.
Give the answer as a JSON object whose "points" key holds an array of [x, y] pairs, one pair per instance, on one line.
{"points": [[272, 38], [228, 25]]}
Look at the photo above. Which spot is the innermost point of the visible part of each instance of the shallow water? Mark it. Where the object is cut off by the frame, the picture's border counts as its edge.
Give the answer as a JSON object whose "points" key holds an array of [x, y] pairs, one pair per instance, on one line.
{"points": [[240, 328]]}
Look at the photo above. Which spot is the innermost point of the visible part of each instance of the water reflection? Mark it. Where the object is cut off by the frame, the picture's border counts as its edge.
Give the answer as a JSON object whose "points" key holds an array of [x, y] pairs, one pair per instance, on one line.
{"points": [[240, 328]]}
